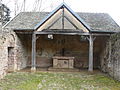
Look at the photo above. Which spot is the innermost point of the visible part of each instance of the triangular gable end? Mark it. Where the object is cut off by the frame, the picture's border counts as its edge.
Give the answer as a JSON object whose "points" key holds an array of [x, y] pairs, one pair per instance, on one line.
{"points": [[58, 13], [59, 25]]}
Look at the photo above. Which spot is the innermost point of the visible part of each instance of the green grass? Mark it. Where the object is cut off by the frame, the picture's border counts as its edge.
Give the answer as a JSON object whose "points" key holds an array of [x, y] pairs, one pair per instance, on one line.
{"points": [[58, 81]]}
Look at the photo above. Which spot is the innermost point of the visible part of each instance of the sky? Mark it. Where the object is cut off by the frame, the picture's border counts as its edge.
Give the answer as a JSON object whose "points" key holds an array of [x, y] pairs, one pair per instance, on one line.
{"points": [[112, 7]]}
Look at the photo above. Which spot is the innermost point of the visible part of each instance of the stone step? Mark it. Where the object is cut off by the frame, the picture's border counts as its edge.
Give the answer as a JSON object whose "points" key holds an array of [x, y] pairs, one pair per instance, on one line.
{"points": [[63, 69]]}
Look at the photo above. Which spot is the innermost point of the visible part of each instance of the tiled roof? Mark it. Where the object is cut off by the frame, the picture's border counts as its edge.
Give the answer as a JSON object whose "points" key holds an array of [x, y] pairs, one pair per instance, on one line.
{"points": [[96, 21]]}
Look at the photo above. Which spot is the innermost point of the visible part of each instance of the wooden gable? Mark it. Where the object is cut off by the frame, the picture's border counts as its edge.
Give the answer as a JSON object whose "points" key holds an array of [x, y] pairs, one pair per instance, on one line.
{"points": [[63, 18]]}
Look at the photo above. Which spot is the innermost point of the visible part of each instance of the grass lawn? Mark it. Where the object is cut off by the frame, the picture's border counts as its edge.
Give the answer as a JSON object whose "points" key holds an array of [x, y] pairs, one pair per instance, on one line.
{"points": [[58, 81]]}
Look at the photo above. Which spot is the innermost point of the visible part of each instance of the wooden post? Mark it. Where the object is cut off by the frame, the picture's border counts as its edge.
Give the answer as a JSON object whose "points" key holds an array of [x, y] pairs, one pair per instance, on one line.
{"points": [[90, 68], [63, 19], [33, 68]]}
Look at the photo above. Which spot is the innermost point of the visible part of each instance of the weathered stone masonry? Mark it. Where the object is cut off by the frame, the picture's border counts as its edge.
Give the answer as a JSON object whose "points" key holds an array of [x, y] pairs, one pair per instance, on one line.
{"points": [[110, 57], [12, 52], [6, 41], [21, 51]]}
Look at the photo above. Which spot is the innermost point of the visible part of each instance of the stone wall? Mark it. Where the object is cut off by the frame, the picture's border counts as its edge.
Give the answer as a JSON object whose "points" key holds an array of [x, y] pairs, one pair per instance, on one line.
{"points": [[6, 40], [115, 56], [105, 56], [21, 51], [13, 52], [3, 59], [110, 57]]}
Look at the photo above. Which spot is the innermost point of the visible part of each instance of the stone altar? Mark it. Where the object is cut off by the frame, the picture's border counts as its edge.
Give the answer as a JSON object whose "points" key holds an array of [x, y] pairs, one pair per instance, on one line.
{"points": [[63, 62]]}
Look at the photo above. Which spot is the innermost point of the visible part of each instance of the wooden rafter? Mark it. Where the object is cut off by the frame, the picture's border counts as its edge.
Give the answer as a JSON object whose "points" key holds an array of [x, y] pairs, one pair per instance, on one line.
{"points": [[67, 33], [71, 22], [53, 23], [63, 18]]}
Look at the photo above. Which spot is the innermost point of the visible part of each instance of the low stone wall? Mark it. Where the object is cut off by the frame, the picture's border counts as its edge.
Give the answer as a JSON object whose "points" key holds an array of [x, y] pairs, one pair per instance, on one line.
{"points": [[110, 57]]}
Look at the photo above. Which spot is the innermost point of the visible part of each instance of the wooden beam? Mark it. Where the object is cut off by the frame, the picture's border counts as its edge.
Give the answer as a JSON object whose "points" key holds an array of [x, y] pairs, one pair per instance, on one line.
{"points": [[100, 34], [71, 22], [24, 31], [67, 33], [53, 23], [33, 68], [90, 68], [63, 18], [61, 33]]}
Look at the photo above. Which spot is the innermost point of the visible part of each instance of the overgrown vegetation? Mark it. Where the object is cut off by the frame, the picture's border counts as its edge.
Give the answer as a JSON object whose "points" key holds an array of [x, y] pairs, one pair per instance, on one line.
{"points": [[58, 81]]}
